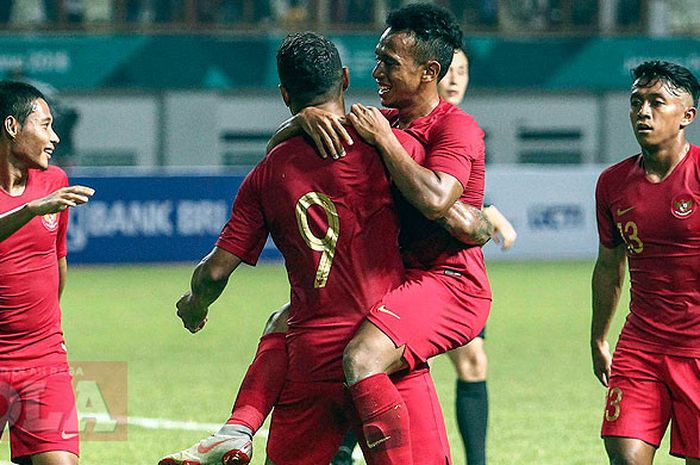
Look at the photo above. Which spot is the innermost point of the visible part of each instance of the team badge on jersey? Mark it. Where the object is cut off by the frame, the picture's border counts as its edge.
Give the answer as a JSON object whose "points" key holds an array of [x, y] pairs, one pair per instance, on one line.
{"points": [[50, 221], [683, 206]]}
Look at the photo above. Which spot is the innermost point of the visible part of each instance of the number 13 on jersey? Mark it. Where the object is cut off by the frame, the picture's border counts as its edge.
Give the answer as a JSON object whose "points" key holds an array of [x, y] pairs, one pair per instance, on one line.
{"points": [[326, 244]]}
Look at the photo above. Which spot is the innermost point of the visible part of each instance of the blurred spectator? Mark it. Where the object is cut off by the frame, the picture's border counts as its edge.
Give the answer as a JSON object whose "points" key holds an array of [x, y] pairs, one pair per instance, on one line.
{"points": [[629, 12], [683, 17], [475, 13], [352, 11], [5, 11], [73, 10]]}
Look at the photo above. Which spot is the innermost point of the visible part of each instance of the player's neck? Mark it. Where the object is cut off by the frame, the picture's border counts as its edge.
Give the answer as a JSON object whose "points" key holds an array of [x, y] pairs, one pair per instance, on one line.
{"points": [[659, 162], [337, 107], [420, 107], [13, 178]]}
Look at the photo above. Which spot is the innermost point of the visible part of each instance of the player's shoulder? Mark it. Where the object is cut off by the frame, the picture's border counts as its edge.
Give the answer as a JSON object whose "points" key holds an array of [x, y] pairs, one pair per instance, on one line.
{"points": [[53, 175], [451, 116], [621, 168]]}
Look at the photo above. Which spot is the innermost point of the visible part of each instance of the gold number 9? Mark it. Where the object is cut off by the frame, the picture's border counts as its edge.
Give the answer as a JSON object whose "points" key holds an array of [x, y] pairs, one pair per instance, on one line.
{"points": [[326, 244]]}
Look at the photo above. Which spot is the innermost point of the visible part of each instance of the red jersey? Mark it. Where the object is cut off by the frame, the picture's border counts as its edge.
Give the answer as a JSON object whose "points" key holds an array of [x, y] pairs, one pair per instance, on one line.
{"points": [[30, 316], [660, 225], [335, 224], [454, 144]]}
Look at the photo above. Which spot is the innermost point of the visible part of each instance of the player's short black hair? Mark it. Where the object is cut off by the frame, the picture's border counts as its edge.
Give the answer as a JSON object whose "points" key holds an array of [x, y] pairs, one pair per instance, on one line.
{"points": [[309, 67], [16, 99], [679, 77], [436, 32]]}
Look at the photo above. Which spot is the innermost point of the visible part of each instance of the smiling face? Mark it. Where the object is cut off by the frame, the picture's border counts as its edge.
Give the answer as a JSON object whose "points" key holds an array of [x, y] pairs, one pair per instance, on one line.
{"points": [[35, 140], [659, 112], [397, 74], [453, 86]]}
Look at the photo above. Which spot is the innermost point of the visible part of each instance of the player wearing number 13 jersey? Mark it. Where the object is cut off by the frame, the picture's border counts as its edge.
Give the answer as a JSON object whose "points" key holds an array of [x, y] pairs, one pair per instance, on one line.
{"points": [[647, 210]]}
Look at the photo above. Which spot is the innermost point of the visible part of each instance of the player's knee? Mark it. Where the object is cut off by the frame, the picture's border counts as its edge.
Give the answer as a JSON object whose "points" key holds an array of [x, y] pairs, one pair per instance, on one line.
{"points": [[362, 357], [619, 454], [277, 323]]}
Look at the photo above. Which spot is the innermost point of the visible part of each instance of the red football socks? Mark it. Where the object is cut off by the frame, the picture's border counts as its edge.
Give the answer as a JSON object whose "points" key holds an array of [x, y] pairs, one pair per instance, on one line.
{"points": [[385, 421], [262, 383]]}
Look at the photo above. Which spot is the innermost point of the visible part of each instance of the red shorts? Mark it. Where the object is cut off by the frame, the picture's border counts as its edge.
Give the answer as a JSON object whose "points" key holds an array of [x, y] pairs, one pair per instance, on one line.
{"points": [[39, 405], [310, 420], [431, 314], [646, 391]]}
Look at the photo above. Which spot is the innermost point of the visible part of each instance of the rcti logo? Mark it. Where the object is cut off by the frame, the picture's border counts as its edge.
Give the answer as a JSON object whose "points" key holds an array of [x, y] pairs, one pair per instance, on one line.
{"points": [[683, 206], [50, 221]]}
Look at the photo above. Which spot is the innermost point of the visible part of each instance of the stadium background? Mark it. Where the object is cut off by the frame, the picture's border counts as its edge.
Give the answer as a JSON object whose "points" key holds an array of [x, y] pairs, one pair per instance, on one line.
{"points": [[163, 106]]}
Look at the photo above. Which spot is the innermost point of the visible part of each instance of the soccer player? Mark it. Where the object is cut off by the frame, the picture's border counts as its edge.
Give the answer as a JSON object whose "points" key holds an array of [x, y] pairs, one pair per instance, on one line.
{"points": [[36, 396], [335, 225], [647, 215]]}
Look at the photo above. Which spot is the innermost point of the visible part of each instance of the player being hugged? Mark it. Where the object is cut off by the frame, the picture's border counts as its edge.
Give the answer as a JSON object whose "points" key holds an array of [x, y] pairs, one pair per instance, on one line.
{"points": [[36, 395], [647, 216]]}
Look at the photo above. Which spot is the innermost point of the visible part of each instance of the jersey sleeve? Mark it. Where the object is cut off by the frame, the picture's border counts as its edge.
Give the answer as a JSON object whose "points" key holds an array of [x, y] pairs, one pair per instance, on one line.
{"points": [[607, 231], [414, 148], [61, 248], [245, 233], [458, 143]]}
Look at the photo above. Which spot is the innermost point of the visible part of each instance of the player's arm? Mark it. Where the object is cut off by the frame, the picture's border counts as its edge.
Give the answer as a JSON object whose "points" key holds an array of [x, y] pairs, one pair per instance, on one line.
{"points": [[433, 193], [62, 275], [467, 224], [606, 283], [63, 198], [325, 129], [503, 231], [209, 280]]}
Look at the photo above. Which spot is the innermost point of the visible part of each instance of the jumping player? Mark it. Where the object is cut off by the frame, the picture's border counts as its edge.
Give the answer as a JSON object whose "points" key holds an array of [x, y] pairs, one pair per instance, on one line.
{"points": [[335, 225], [36, 396], [647, 216]]}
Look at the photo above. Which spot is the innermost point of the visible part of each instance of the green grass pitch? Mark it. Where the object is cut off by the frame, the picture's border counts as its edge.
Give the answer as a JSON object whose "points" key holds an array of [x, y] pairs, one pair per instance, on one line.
{"points": [[546, 406]]}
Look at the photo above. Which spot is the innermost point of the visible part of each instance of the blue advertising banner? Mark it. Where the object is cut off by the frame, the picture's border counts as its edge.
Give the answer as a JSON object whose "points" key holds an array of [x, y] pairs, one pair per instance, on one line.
{"points": [[151, 218]]}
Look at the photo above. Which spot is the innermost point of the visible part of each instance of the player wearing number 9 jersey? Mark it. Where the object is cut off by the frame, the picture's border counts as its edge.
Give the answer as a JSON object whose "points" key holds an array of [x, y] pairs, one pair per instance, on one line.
{"points": [[335, 225], [647, 212]]}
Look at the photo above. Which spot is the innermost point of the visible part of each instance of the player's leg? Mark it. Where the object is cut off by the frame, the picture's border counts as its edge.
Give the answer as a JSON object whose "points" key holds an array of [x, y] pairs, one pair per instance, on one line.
{"points": [[689, 461], [628, 451], [257, 395], [638, 407], [472, 408], [55, 458], [44, 426], [382, 410], [308, 424], [427, 315]]}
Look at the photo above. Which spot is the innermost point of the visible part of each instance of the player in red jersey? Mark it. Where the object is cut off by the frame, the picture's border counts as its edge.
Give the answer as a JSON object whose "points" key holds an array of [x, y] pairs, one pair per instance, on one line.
{"points": [[335, 225], [647, 212], [36, 397]]}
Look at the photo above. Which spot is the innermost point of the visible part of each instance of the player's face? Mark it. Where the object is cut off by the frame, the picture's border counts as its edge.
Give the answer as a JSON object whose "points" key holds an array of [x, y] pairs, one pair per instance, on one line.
{"points": [[397, 74], [35, 140], [658, 113], [453, 86]]}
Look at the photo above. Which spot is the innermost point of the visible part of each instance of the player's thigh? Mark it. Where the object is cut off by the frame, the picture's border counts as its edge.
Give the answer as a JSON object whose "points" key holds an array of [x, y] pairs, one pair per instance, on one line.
{"points": [[47, 421], [308, 423], [431, 313], [369, 352], [628, 451], [470, 361], [638, 403], [427, 424], [683, 378], [55, 458], [689, 461]]}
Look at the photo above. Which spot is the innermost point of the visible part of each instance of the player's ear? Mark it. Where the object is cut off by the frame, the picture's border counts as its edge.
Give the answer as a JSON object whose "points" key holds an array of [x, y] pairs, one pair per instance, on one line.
{"points": [[11, 126], [346, 78], [431, 71], [689, 116], [285, 95]]}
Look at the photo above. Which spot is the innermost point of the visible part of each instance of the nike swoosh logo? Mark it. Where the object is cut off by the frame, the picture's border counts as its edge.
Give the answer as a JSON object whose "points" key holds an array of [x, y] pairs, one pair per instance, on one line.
{"points": [[374, 444], [383, 309], [202, 449], [65, 436], [622, 212]]}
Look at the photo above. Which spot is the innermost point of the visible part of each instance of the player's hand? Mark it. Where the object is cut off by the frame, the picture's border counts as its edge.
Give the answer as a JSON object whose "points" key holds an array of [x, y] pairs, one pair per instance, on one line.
{"points": [[326, 130], [503, 232], [602, 361], [369, 122], [60, 200], [193, 315]]}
